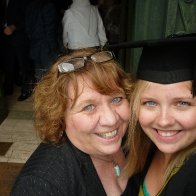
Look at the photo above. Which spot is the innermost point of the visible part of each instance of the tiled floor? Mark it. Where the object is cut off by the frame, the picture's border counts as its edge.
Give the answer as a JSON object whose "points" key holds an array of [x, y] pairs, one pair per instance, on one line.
{"points": [[18, 129], [18, 140]]}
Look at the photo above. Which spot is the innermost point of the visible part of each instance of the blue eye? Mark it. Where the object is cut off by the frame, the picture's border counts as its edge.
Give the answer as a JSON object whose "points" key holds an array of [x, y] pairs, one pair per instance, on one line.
{"points": [[183, 103], [117, 99], [149, 103], [89, 108]]}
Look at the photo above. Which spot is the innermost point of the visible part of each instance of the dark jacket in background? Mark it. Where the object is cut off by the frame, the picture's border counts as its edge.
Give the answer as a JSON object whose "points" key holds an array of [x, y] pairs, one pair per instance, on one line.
{"points": [[15, 46], [44, 30], [16, 16]]}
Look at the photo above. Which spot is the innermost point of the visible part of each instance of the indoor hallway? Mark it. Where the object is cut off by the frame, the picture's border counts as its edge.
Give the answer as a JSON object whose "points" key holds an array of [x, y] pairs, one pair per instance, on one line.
{"points": [[18, 139]]}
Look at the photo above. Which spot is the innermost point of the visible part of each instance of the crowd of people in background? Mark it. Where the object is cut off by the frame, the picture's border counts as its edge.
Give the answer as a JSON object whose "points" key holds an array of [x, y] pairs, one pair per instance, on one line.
{"points": [[34, 33]]}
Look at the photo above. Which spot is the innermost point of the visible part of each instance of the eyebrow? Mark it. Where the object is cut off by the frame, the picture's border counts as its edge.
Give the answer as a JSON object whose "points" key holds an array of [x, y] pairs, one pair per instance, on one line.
{"points": [[184, 97], [79, 104], [86, 101]]}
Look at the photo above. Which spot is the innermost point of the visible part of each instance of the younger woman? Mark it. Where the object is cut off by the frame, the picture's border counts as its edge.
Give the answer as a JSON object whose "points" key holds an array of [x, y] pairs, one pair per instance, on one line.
{"points": [[162, 155]]}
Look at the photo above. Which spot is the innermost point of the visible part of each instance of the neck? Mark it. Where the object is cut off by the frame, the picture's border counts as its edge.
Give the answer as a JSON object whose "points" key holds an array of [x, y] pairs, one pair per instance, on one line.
{"points": [[117, 156], [113, 183], [115, 161], [108, 159], [163, 158]]}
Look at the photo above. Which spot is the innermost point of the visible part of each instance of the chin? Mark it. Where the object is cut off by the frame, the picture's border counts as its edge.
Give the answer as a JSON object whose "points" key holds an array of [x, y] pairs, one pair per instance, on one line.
{"points": [[168, 150], [113, 149]]}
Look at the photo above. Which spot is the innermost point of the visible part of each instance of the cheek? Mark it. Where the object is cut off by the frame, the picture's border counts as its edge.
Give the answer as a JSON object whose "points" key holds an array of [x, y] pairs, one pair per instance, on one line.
{"points": [[80, 123], [125, 112], [145, 117], [188, 121]]}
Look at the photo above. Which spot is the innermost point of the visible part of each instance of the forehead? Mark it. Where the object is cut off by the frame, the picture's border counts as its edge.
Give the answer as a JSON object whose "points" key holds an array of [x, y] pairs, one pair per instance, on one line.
{"points": [[83, 85], [174, 89]]}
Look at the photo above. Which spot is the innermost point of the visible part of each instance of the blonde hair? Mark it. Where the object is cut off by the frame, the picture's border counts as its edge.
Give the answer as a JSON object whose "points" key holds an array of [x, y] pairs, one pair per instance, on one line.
{"points": [[51, 94], [139, 144]]}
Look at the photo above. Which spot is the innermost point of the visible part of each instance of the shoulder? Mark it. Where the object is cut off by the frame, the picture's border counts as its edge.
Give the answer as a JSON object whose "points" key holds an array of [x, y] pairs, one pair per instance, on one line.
{"points": [[188, 169], [95, 8], [183, 182], [49, 168], [67, 16], [47, 156], [33, 185], [67, 13]]}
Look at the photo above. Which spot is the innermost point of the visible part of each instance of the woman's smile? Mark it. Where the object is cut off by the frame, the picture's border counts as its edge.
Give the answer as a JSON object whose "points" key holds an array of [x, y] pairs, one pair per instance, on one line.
{"points": [[167, 133], [108, 135]]}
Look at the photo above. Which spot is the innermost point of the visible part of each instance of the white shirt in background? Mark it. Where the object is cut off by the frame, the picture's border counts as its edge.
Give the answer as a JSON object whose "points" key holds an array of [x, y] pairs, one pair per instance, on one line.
{"points": [[83, 26]]}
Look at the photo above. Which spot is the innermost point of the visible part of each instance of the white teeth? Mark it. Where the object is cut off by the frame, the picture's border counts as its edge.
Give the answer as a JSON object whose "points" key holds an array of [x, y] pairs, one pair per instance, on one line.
{"points": [[108, 135], [167, 133]]}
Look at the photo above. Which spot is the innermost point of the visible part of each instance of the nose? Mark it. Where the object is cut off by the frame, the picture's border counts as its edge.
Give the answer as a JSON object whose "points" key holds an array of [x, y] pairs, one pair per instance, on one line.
{"points": [[165, 118], [108, 116]]}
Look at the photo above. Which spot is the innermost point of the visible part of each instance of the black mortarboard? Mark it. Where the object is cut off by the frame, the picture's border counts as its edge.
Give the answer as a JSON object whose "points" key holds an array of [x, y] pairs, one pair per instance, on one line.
{"points": [[169, 62]]}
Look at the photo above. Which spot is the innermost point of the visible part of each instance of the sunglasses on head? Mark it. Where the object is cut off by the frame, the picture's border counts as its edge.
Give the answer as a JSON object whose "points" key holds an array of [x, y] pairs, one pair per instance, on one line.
{"points": [[79, 62]]}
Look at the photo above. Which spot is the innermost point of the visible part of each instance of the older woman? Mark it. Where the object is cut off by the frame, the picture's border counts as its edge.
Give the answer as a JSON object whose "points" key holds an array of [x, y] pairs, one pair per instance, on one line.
{"points": [[81, 114]]}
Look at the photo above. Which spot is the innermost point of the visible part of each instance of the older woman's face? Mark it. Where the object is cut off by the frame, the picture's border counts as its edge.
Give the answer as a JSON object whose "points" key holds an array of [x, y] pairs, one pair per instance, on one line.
{"points": [[96, 123]]}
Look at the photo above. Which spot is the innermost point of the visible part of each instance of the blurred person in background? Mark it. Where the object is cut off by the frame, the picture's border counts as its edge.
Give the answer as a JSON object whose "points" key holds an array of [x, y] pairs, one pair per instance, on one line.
{"points": [[44, 30], [83, 26], [15, 44]]}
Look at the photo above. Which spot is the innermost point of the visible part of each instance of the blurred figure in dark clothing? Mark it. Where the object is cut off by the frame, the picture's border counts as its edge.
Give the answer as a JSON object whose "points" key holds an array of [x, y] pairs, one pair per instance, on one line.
{"points": [[44, 30], [1, 22], [61, 6], [15, 47], [108, 10]]}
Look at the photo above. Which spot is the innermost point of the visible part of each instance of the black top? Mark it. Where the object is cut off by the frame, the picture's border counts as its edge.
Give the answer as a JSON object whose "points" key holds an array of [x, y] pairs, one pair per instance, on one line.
{"points": [[59, 170], [183, 183]]}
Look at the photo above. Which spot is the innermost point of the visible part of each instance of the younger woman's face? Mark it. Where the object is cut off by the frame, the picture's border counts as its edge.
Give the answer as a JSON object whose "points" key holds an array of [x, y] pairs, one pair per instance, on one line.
{"points": [[96, 123], [168, 115]]}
